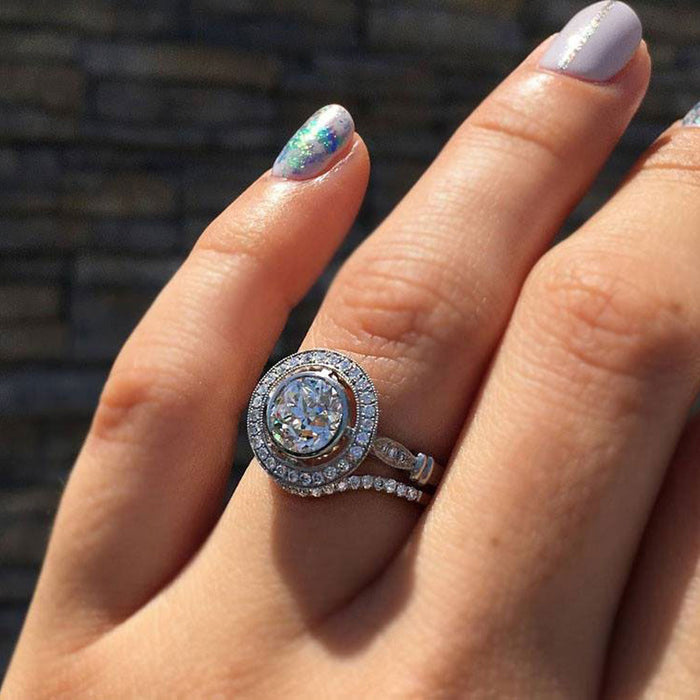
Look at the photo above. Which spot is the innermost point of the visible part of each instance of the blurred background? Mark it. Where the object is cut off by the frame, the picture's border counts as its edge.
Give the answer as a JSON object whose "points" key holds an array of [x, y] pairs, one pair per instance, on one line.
{"points": [[125, 126]]}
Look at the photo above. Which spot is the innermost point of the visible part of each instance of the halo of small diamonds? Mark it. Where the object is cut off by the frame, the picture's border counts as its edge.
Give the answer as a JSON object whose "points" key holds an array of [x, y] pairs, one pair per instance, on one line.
{"points": [[321, 472]]}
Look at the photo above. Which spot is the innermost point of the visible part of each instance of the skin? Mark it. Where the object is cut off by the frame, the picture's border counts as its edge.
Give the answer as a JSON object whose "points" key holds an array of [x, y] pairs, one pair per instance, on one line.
{"points": [[560, 556]]}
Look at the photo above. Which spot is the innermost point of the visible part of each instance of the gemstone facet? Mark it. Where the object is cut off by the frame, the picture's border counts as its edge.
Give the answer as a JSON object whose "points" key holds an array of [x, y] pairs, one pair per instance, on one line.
{"points": [[306, 414]]}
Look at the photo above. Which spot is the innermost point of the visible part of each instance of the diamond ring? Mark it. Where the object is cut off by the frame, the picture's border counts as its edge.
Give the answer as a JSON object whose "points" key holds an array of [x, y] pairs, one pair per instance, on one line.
{"points": [[312, 421]]}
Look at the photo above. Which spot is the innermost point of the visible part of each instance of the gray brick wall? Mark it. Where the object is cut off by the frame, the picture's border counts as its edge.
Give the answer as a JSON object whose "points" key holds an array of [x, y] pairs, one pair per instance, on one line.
{"points": [[126, 125]]}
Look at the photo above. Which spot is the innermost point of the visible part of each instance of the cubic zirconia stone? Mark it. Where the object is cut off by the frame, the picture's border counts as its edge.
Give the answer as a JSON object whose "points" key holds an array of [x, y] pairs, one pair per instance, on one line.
{"points": [[412, 494], [367, 481], [306, 414], [356, 452], [354, 482], [390, 486], [305, 479], [330, 472], [378, 483], [401, 490], [317, 478], [342, 485]]}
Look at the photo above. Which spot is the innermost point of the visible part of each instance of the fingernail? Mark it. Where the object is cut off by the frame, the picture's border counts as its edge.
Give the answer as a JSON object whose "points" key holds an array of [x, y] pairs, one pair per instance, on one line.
{"points": [[597, 43], [693, 117], [315, 144]]}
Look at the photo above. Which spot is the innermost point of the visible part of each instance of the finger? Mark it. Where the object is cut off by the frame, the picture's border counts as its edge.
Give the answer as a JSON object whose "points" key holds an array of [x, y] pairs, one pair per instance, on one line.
{"points": [[421, 306], [149, 481], [656, 643], [553, 481]]}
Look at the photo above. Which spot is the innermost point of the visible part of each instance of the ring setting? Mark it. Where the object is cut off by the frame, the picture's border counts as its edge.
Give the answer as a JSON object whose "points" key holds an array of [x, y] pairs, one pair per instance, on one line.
{"points": [[312, 421]]}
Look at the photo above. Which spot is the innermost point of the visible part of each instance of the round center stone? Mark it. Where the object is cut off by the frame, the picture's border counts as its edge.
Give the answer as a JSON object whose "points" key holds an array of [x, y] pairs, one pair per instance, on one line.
{"points": [[305, 414]]}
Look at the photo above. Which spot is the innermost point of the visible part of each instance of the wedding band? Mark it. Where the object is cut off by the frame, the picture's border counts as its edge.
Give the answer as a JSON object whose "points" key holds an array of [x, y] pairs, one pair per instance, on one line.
{"points": [[367, 482], [312, 421]]}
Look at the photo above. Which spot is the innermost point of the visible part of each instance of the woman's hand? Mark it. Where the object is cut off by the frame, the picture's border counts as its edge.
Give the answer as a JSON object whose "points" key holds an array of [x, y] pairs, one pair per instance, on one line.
{"points": [[556, 385]]}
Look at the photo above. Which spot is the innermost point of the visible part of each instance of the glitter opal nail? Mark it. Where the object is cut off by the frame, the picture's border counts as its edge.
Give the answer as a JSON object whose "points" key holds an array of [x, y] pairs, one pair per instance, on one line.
{"points": [[693, 117], [597, 43], [314, 145]]}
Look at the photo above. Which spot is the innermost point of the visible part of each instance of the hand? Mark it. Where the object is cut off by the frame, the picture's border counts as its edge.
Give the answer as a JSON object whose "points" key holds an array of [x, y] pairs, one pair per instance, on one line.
{"points": [[555, 385]]}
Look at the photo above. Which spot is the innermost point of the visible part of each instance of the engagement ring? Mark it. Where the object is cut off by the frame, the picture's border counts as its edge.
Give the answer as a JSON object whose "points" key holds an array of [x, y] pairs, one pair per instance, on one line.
{"points": [[312, 421]]}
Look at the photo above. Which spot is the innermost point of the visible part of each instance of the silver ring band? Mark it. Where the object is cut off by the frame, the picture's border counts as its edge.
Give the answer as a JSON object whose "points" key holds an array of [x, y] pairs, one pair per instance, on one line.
{"points": [[312, 421], [422, 468], [367, 482]]}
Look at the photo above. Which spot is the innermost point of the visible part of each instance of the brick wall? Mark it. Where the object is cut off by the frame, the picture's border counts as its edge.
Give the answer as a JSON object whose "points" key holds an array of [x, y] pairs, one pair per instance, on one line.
{"points": [[126, 125]]}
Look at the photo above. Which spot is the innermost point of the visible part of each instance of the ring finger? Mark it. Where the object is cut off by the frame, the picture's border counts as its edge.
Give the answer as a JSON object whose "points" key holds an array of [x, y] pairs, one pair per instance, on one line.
{"points": [[421, 305]]}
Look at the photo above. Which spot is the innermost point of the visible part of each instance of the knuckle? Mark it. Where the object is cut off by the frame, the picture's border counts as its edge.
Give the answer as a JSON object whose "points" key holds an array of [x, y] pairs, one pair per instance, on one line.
{"points": [[228, 239], [135, 399], [674, 160], [610, 314], [229, 248], [508, 127], [399, 303]]}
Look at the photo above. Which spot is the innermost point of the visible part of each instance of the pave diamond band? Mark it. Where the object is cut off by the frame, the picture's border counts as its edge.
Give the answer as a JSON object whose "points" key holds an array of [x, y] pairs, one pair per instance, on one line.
{"points": [[367, 482], [312, 420]]}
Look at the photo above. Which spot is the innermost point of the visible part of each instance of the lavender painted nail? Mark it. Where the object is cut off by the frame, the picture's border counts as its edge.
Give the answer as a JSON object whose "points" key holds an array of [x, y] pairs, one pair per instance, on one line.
{"points": [[597, 43], [693, 117], [315, 143]]}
